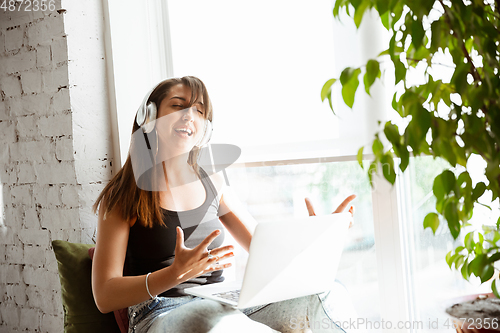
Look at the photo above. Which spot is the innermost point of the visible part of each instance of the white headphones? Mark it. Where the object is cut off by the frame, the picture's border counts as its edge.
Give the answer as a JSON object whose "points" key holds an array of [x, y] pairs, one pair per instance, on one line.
{"points": [[146, 119]]}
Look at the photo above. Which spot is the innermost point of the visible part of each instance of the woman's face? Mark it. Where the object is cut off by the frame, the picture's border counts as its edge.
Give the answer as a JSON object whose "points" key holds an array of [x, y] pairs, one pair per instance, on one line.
{"points": [[178, 125]]}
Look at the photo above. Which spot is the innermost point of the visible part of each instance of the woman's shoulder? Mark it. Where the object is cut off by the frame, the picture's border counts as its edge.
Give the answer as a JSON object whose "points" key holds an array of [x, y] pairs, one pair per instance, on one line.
{"points": [[114, 214], [217, 180]]}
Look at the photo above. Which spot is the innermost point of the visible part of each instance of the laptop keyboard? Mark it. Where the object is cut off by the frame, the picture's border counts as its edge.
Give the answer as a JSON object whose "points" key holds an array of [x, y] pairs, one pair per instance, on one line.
{"points": [[232, 295]]}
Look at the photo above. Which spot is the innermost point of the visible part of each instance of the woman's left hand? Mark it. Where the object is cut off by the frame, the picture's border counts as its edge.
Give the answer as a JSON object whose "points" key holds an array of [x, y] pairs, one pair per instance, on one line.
{"points": [[339, 209]]}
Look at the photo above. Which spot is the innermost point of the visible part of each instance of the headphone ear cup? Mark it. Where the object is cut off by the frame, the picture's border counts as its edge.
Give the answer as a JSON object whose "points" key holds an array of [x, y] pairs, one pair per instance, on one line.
{"points": [[207, 134], [150, 117], [142, 113], [152, 111]]}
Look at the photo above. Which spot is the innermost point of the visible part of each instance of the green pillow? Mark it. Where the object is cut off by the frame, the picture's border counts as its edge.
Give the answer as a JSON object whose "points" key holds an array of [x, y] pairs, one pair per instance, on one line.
{"points": [[80, 312]]}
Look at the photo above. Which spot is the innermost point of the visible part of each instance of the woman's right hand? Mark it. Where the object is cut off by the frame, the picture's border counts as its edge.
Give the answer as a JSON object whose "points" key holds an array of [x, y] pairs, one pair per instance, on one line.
{"points": [[190, 263]]}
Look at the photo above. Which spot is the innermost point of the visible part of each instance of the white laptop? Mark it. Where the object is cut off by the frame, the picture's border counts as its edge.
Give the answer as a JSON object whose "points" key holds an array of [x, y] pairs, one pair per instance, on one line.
{"points": [[287, 259]]}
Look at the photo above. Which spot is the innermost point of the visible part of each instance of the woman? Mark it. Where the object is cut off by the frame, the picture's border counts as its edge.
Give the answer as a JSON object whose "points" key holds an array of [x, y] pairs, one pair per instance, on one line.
{"points": [[160, 203]]}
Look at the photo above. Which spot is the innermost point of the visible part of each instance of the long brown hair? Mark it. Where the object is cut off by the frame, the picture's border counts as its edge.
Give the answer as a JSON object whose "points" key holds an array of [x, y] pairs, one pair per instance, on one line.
{"points": [[122, 191]]}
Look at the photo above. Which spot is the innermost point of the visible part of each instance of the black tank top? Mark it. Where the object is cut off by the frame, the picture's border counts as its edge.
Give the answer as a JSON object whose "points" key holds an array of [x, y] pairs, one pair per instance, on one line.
{"points": [[151, 249]]}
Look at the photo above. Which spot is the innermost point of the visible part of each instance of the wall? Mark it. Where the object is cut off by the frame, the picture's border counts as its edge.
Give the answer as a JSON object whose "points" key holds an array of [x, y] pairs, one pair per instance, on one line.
{"points": [[55, 151]]}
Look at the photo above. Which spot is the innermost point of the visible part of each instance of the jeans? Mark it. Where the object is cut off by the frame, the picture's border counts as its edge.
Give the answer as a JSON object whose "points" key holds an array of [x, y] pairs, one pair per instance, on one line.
{"points": [[324, 312]]}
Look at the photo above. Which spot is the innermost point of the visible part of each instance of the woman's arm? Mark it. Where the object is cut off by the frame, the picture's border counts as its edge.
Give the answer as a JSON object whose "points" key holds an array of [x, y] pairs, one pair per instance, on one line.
{"points": [[236, 219], [232, 214], [113, 291]]}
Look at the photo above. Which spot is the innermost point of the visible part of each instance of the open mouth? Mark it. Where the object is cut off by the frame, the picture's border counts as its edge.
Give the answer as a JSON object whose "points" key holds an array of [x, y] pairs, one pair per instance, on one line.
{"points": [[184, 130]]}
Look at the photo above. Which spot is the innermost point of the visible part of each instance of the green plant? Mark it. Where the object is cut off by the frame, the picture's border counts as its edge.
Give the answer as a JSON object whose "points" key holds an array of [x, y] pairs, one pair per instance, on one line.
{"points": [[449, 119]]}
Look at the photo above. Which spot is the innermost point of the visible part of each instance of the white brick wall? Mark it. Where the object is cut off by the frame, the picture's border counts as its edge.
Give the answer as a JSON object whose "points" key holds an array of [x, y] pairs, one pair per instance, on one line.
{"points": [[55, 152], [14, 38], [31, 82], [11, 85], [20, 62], [3, 112], [42, 56]]}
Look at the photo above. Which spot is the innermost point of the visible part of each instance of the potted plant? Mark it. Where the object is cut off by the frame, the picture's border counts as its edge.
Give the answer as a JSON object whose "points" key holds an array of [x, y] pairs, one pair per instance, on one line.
{"points": [[447, 119], [474, 313]]}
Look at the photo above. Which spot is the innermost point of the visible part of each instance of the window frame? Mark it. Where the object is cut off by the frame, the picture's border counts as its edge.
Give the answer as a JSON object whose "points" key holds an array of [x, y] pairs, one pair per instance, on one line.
{"points": [[152, 62]]}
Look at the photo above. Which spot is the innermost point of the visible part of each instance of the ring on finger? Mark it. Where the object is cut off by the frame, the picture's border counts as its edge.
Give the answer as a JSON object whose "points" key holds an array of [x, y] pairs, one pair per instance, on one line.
{"points": [[210, 256]]}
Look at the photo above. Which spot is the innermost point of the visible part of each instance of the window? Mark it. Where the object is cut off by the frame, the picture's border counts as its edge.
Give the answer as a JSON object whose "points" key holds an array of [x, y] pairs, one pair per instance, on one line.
{"points": [[264, 64]]}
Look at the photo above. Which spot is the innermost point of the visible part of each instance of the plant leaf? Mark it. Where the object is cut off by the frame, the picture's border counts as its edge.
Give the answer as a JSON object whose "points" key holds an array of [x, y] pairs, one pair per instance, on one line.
{"points": [[400, 70], [438, 189], [487, 273], [448, 181], [385, 19], [494, 257], [465, 272], [459, 78], [478, 191], [382, 7], [372, 72], [418, 127], [451, 215], [327, 88], [404, 154], [391, 132], [435, 35], [371, 170], [326, 92], [360, 11], [469, 241], [494, 288], [431, 221], [480, 267], [417, 33], [387, 162], [350, 82], [448, 259], [377, 148], [360, 157]]}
